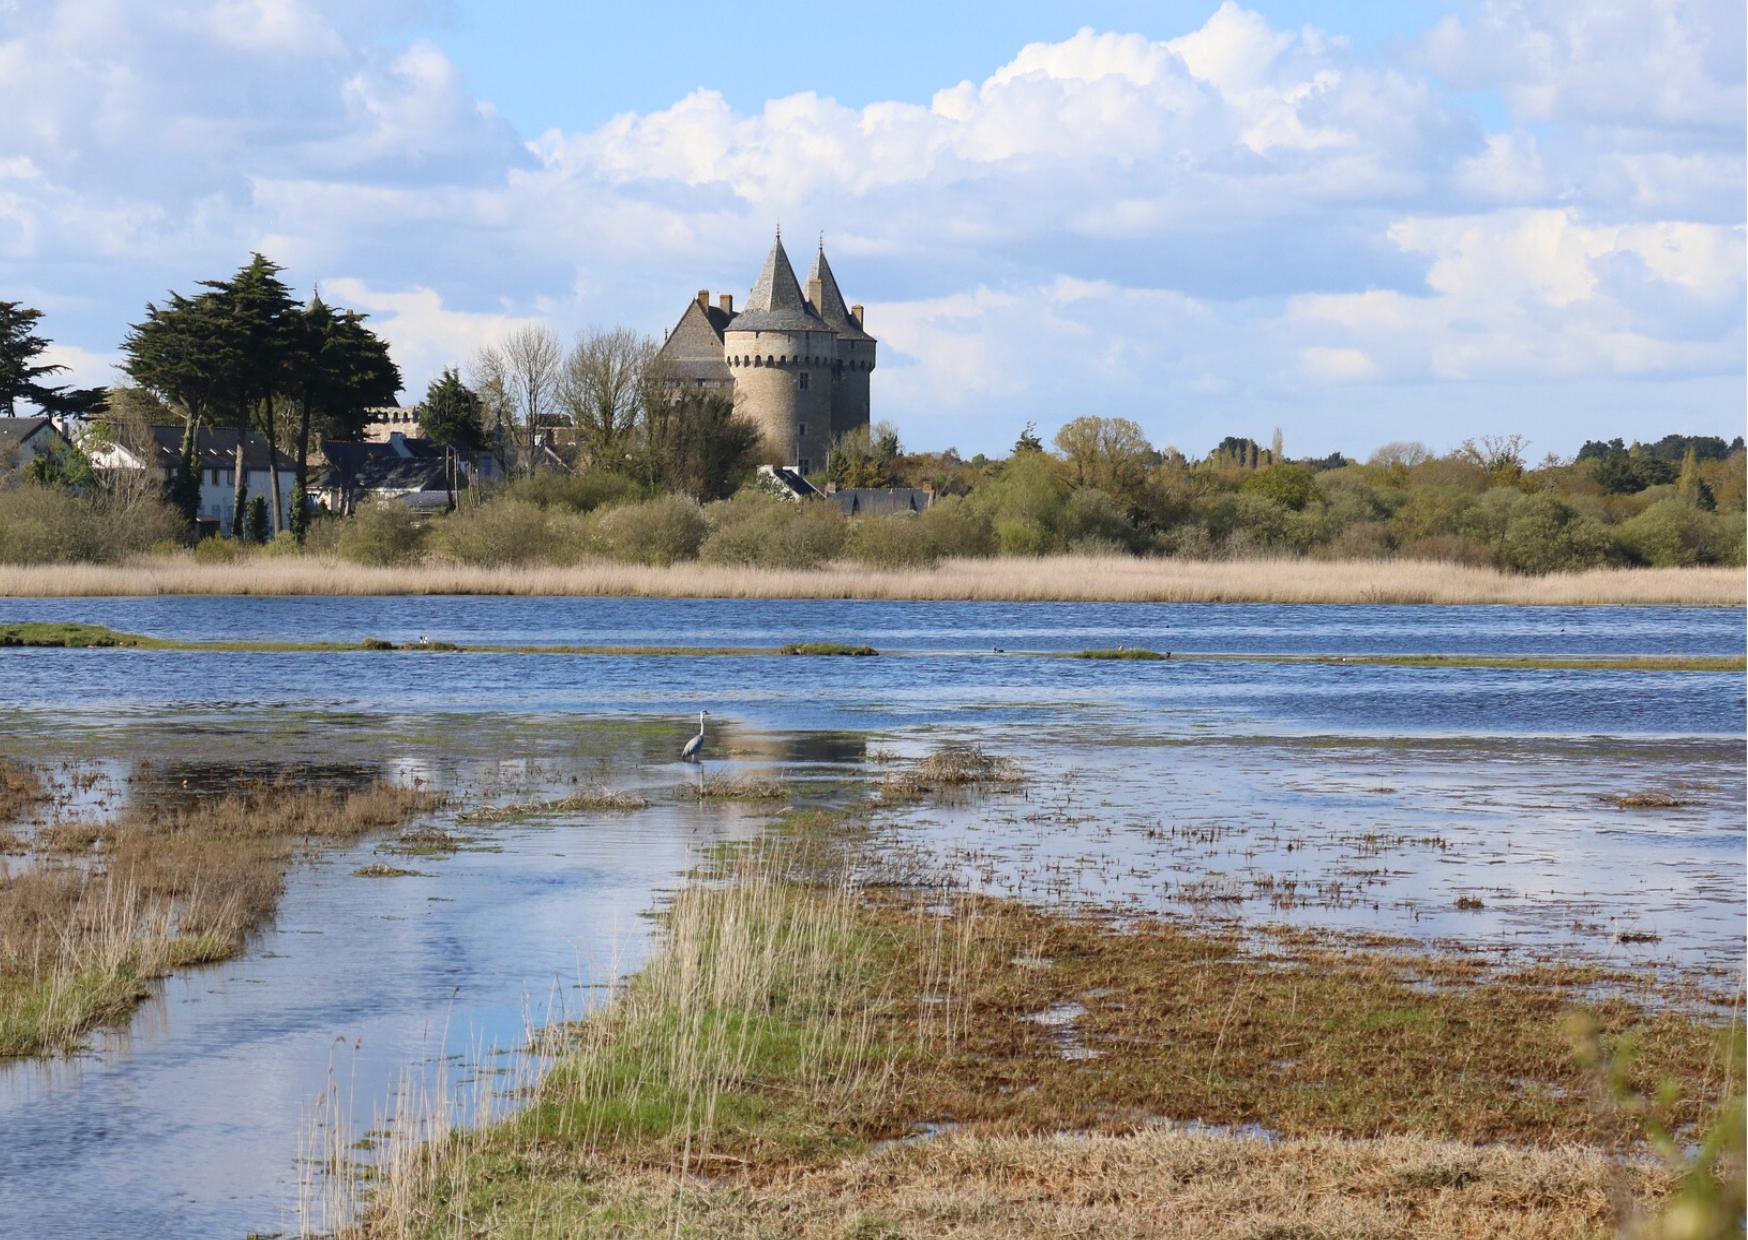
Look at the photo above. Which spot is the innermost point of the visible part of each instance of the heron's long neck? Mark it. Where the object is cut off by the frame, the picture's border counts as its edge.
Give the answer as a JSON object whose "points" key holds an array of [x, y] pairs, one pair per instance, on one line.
{"points": [[700, 723]]}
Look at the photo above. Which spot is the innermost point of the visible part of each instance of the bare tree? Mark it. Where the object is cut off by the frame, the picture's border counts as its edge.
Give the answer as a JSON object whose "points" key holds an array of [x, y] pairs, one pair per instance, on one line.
{"points": [[603, 386], [517, 381], [1499, 455], [1402, 454]]}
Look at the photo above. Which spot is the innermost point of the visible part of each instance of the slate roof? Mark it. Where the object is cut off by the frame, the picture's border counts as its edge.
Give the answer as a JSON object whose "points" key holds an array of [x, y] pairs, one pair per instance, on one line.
{"points": [[831, 306], [693, 350], [776, 303], [215, 447], [410, 465], [14, 431]]}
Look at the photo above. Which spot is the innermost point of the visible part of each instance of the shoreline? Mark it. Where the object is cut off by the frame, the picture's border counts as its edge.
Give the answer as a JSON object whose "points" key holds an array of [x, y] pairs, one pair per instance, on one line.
{"points": [[1116, 579]]}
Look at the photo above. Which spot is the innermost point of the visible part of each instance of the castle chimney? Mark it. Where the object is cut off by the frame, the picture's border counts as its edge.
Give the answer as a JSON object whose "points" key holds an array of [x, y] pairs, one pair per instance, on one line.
{"points": [[813, 292], [856, 313], [726, 301], [704, 298]]}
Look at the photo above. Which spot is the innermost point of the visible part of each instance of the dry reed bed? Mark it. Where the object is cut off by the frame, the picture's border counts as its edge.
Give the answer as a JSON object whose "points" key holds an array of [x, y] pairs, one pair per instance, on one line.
{"points": [[742, 1084], [1064, 578], [108, 906]]}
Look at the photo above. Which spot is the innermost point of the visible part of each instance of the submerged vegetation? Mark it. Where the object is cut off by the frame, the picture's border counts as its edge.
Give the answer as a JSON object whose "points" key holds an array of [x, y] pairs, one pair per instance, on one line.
{"points": [[110, 905]]}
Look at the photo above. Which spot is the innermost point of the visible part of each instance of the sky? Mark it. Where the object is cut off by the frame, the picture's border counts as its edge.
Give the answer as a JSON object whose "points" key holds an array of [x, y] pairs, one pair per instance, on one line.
{"points": [[1356, 222]]}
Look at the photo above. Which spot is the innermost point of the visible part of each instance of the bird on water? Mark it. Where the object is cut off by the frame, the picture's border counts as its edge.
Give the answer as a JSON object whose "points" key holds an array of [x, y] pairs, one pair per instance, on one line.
{"points": [[693, 746]]}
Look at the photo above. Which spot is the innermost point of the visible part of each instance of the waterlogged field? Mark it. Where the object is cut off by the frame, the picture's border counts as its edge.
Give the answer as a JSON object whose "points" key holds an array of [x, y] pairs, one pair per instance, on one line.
{"points": [[1520, 816]]}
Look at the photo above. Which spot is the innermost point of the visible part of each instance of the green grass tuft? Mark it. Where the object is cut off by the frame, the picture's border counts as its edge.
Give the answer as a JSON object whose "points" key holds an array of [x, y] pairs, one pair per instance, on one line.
{"points": [[67, 636], [827, 648], [1122, 652]]}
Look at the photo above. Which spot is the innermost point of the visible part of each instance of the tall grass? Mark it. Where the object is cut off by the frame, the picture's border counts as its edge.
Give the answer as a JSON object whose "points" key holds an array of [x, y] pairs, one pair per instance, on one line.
{"points": [[750, 1034], [1066, 578], [106, 907]]}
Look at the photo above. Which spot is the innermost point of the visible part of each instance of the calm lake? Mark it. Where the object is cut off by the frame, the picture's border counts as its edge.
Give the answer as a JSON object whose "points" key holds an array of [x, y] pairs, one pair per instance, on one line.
{"points": [[1338, 796]]}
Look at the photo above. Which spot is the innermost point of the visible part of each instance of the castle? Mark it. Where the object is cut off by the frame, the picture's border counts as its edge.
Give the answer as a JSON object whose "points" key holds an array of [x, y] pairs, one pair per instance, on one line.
{"points": [[797, 365]]}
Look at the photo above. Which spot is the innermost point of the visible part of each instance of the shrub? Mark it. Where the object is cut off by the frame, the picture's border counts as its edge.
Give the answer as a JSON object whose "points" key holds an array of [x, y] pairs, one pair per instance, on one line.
{"points": [[1544, 534], [260, 528], [657, 531], [1290, 486], [50, 525], [578, 492], [956, 529], [1024, 505], [772, 533], [217, 550], [900, 541], [380, 532], [1671, 533], [504, 531]]}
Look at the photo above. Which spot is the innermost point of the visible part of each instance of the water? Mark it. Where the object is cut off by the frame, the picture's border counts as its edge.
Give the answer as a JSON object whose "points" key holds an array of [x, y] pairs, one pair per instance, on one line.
{"points": [[1339, 797]]}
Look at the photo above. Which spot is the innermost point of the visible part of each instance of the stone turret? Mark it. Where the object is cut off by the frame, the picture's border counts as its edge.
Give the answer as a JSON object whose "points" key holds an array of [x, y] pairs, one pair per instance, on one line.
{"points": [[783, 356], [855, 348]]}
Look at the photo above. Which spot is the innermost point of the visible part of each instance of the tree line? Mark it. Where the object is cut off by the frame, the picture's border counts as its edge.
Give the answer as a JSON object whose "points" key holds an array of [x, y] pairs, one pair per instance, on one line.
{"points": [[242, 352]]}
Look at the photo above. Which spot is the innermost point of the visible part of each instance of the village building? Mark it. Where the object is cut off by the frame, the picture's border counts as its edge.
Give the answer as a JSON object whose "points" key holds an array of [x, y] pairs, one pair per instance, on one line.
{"points": [[23, 440], [215, 459], [413, 472], [798, 364]]}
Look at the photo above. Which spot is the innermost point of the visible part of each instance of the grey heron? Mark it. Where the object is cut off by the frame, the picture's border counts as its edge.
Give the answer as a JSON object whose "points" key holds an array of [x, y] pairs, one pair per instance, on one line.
{"points": [[690, 752]]}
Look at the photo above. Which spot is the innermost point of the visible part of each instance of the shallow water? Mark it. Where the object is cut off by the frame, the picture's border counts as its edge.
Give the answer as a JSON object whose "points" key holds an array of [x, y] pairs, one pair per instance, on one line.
{"points": [[1345, 797]]}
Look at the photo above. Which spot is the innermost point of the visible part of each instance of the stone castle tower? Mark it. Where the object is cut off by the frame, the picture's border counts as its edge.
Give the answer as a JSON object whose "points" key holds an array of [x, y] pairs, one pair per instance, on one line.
{"points": [[797, 364]]}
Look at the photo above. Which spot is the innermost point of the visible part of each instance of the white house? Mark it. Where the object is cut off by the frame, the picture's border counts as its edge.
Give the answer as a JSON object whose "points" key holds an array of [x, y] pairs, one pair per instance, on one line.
{"points": [[215, 456], [22, 440]]}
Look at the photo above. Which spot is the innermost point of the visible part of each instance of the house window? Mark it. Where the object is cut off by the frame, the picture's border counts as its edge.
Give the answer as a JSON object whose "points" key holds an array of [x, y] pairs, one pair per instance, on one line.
{"points": [[801, 380], [801, 430], [804, 465]]}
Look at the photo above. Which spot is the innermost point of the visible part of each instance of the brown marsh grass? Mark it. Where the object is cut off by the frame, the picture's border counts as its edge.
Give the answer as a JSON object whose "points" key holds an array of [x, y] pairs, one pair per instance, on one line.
{"points": [[107, 907], [752, 1080], [951, 767], [596, 797], [717, 786], [1068, 578], [20, 788]]}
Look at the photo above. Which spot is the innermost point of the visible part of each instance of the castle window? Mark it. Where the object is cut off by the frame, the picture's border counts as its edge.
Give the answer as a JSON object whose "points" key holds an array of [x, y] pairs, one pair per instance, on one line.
{"points": [[801, 380]]}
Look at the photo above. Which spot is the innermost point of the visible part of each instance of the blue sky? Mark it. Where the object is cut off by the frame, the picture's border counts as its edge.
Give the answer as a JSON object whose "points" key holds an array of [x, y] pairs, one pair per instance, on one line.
{"points": [[1357, 222]]}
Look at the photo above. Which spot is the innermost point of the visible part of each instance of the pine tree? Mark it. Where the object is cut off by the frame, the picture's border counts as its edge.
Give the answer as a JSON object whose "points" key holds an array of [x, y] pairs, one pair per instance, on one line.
{"points": [[21, 373]]}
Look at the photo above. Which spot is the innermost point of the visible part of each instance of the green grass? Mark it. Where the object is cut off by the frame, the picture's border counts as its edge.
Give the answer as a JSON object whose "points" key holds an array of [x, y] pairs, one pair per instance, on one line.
{"points": [[838, 649], [1122, 652], [67, 636]]}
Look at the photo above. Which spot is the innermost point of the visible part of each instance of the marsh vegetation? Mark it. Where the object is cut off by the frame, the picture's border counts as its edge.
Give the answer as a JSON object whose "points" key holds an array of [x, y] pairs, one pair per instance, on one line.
{"points": [[819, 1059], [107, 906]]}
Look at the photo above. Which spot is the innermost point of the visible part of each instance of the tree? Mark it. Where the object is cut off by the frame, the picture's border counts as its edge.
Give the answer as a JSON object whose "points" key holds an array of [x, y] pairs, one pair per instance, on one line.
{"points": [[1500, 455], [695, 443], [602, 387], [452, 416], [519, 379], [864, 458], [1110, 454], [180, 355], [254, 316], [1028, 440], [21, 373], [339, 369]]}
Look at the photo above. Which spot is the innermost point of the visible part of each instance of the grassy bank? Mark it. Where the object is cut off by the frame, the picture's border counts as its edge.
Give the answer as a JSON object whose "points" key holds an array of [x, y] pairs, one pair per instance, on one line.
{"points": [[804, 1059], [1064, 578], [104, 907]]}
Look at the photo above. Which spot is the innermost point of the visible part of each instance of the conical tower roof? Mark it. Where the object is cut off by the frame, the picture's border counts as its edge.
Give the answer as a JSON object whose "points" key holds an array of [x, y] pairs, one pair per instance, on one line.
{"points": [[776, 303], [831, 301]]}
